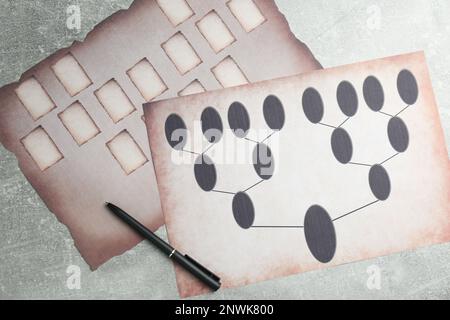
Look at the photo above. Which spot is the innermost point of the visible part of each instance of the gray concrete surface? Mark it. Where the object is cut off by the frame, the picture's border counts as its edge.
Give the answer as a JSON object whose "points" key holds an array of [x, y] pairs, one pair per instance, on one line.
{"points": [[36, 250]]}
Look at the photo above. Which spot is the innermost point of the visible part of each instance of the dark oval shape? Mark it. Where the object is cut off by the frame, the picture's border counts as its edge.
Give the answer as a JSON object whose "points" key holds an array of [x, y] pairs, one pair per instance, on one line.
{"points": [[379, 181], [313, 105], [407, 87], [205, 173], [263, 161], [373, 93], [320, 234], [342, 146], [398, 134], [239, 119], [212, 126], [347, 98], [243, 210], [274, 113], [176, 132]]}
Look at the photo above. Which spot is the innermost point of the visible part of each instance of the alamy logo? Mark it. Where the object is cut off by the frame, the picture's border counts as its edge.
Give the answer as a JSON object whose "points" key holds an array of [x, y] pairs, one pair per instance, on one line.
{"points": [[374, 280], [74, 280], [374, 20], [73, 21]]}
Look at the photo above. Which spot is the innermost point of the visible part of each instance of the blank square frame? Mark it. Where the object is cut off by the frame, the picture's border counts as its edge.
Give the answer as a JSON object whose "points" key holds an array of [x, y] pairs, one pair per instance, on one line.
{"points": [[177, 11], [247, 13], [127, 152], [34, 98], [147, 80], [115, 101], [79, 123], [71, 74], [229, 74], [181, 53], [41, 148], [215, 31]]}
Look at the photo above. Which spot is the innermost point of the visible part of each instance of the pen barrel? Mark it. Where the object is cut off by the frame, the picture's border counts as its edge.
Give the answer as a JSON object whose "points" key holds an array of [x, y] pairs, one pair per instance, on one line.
{"points": [[197, 270], [141, 229], [192, 266], [157, 241]]}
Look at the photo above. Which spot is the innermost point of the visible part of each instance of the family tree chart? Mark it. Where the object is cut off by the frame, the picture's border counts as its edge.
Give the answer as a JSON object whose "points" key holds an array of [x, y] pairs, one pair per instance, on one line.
{"points": [[318, 226]]}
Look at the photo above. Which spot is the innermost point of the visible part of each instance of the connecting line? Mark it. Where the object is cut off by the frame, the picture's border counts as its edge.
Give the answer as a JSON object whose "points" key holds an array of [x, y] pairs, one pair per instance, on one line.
{"points": [[278, 227], [327, 125], [360, 164], [402, 110], [386, 114], [269, 136], [344, 122], [207, 149], [248, 139], [393, 116], [356, 210], [254, 185], [224, 192], [390, 158], [191, 152]]}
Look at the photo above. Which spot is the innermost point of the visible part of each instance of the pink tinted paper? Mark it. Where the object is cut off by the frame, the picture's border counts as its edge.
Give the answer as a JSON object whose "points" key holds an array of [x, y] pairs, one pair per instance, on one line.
{"points": [[74, 121], [358, 169]]}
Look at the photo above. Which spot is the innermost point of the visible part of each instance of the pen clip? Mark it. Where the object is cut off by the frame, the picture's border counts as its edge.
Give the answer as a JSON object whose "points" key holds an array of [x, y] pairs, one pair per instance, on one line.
{"points": [[198, 265]]}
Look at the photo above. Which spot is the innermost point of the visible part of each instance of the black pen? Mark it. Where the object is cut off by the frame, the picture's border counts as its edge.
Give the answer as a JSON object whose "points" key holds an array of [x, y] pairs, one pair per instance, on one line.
{"points": [[195, 268]]}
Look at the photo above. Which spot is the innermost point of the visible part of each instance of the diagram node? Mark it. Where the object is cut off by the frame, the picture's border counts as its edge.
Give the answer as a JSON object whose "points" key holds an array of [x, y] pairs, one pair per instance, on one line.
{"points": [[243, 210], [263, 161], [176, 132], [398, 134], [205, 173], [274, 113], [379, 181], [342, 145], [313, 105], [320, 234], [373, 93], [239, 120], [212, 126], [407, 87], [347, 98]]}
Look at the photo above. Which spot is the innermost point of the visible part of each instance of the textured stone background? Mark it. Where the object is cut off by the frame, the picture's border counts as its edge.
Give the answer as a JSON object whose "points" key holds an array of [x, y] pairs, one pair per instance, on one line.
{"points": [[35, 250]]}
